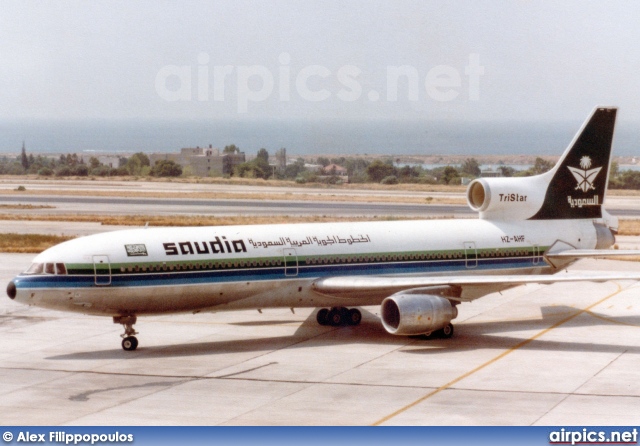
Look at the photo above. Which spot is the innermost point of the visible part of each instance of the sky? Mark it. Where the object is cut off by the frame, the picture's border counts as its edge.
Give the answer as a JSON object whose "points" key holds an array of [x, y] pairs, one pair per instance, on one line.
{"points": [[346, 60]]}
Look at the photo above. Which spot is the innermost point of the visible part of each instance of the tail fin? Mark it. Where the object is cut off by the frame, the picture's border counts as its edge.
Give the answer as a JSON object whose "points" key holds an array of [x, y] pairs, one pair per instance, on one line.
{"points": [[578, 182]]}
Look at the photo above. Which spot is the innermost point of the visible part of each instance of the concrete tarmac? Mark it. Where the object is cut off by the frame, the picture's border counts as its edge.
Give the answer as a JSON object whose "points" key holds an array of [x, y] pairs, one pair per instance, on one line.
{"points": [[564, 354]]}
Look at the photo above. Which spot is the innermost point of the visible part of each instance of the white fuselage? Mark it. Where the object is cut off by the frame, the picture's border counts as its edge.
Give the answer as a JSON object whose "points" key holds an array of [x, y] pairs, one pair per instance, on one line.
{"points": [[165, 270]]}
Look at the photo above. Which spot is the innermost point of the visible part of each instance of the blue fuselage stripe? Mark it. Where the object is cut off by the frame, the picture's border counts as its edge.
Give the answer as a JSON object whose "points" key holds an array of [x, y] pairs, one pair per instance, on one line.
{"points": [[149, 279]]}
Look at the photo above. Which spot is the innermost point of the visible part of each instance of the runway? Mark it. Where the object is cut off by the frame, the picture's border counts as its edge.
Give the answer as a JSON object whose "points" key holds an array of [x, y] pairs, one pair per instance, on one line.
{"points": [[175, 206], [564, 354]]}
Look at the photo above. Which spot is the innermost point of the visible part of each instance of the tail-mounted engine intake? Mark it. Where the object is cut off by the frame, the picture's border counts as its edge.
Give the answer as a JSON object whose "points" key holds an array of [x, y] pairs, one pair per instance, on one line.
{"points": [[415, 314], [506, 198]]}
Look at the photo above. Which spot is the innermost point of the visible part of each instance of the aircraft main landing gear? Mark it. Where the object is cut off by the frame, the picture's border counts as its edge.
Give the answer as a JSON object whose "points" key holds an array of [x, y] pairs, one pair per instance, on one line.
{"points": [[129, 341], [337, 316]]}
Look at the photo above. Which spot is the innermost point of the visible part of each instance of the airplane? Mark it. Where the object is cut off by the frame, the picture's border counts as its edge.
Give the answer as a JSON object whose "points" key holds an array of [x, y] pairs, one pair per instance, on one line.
{"points": [[528, 230]]}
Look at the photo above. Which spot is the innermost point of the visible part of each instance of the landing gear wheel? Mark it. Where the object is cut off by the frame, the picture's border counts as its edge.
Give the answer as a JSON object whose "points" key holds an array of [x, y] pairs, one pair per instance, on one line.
{"points": [[336, 317], [354, 316], [130, 343], [447, 331], [323, 316]]}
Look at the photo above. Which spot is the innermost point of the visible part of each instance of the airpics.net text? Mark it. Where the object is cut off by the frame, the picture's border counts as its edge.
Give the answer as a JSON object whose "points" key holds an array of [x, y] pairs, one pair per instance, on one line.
{"points": [[314, 83]]}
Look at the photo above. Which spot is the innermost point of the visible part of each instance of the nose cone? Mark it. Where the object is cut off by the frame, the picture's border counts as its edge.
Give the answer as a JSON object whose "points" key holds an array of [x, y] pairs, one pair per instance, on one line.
{"points": [[11, 290]]}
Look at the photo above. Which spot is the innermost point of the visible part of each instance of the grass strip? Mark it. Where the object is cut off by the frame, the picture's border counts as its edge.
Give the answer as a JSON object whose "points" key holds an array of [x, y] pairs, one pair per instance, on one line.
{"points": [[29, 243], [186, 220]]}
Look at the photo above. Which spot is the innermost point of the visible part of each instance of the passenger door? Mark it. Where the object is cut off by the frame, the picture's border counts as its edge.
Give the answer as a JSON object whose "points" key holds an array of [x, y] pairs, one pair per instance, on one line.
{"points": [[290, 262], [102, 270], [470, 254]]}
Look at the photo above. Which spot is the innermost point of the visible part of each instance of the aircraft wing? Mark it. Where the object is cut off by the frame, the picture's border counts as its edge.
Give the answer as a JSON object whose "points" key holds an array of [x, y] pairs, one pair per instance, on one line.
{"points": [[360, 286]]}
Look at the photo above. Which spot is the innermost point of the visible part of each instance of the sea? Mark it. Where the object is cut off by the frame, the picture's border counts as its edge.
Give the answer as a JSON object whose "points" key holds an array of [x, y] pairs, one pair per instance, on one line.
{"points": [[306, 137]]}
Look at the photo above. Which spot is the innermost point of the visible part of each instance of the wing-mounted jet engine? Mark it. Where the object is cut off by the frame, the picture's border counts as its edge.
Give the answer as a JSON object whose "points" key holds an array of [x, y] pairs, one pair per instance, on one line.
{"points": [[408, 313]]}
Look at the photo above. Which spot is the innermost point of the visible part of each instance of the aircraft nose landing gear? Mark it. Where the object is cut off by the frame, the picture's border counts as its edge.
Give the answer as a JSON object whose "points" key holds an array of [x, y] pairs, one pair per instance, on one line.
{"points": [[129, 341]]}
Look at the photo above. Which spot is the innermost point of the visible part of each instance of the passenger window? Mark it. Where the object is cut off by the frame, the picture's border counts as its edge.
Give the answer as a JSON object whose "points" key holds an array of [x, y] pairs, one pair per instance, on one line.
{"points": [[61, 270], [49, 269]]}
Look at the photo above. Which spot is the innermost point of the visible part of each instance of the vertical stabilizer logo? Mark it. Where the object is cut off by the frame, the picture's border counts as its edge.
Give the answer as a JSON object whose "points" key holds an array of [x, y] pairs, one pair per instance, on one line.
{"points": [[585, 176]]}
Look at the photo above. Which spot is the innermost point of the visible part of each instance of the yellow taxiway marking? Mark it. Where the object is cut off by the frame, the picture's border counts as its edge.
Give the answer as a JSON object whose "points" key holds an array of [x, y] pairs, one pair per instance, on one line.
{"points": [[496, 359], [610, 320]]}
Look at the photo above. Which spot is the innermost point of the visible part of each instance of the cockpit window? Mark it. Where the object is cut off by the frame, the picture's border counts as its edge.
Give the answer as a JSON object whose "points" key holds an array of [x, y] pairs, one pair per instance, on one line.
{"points": [[35, 268], [47, 268]]}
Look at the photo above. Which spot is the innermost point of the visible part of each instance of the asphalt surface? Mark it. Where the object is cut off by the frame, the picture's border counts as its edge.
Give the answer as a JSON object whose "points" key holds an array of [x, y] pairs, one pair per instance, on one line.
{"points": [[173, 205], [244, 207]]}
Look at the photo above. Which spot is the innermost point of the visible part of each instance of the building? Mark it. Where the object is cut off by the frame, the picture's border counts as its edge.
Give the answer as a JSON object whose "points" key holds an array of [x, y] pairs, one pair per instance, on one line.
{"points": [[490, 173], [203, 162], [108, 160], [334, 169], [334, 174]]}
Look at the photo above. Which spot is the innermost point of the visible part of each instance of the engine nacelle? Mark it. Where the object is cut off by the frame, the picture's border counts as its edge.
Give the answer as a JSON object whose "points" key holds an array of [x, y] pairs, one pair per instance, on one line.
{"points": [[507, 198], [414, 314]]}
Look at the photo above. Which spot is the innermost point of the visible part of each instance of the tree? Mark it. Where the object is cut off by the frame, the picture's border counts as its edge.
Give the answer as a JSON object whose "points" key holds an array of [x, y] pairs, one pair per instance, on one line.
{"points": [[392, 179], [251, 169], [507, 171], [136, 162], [166, 168], [379, 169], [450, 175], [231, 149], [63, 171], [323, 161], [471, 167], [541, 166], [256, 168], [406, 173], [281, 158], [629, 179], [293, 170], [101, 171], [263, 155], [357, 170], [69, 161], [94, 163], [80, 170], [24, 160]]}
